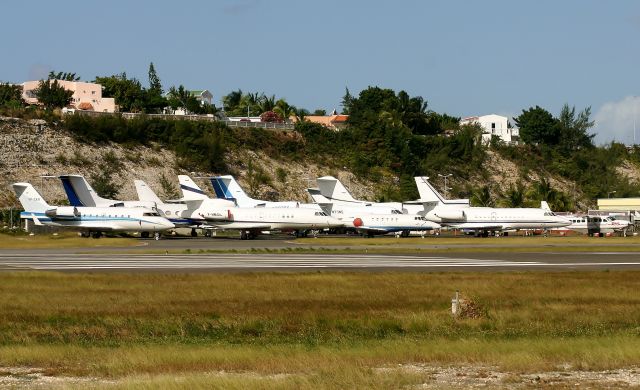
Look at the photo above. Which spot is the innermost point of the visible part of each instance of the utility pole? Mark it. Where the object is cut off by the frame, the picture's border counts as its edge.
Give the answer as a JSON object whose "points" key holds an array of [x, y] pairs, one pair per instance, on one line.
{"points": [[445, 182]]}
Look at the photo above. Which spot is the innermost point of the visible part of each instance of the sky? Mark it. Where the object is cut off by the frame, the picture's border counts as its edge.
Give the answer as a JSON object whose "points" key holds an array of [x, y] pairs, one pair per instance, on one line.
{"points": [[464, 57]]}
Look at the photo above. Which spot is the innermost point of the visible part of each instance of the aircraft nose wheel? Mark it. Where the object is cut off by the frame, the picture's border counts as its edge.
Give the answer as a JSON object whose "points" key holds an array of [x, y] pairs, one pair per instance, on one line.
{"points": [[156, 236]]}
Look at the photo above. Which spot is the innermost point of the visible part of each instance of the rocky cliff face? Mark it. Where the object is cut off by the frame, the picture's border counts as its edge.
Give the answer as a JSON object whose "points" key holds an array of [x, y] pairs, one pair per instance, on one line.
{"points": [[31, 151]]}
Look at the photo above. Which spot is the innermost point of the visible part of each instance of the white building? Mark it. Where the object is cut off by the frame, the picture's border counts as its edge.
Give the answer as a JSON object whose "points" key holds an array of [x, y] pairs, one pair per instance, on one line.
{"points": [[494, 125]]}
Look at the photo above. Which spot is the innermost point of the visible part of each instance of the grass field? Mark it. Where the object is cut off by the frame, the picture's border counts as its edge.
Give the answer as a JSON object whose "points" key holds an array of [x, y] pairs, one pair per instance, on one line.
{"points": [[312, 330], [63, 240]]}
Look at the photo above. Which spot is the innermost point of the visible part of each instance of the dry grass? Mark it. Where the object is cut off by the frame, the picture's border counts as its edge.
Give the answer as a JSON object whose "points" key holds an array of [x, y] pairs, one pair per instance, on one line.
{"points": [[311, 330], [516, 241], [64, 240]]}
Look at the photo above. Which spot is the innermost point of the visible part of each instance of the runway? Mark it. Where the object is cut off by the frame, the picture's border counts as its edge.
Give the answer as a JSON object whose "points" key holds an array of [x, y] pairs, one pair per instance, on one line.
{"points": [[302, 262]]}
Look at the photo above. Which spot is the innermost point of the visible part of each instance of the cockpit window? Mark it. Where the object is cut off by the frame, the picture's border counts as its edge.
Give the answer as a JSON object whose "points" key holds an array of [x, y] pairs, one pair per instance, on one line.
{"points": [[396, 212], [150, 214]]}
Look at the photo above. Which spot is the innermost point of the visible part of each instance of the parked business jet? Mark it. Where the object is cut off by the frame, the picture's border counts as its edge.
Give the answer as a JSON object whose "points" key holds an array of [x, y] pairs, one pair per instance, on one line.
{"points": [[429, 194], [336, 193], [250, 221], [89, 220], [484, 220], [370, 220], [174, 212], [226, 187], [596, 224], [80, 193]]}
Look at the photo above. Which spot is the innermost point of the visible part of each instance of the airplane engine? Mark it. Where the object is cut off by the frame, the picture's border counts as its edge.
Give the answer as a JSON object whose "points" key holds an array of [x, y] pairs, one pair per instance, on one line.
{"points": [[451, 215], [63, 212]]}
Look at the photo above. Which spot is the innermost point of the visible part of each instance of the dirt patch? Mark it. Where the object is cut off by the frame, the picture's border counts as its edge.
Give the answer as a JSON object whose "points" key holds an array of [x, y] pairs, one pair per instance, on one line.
{"points": [[32, 377], [464, 377]]}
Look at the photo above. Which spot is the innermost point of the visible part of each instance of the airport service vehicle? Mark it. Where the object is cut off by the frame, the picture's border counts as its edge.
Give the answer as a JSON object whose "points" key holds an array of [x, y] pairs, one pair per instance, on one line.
{"points": [[89, 220], [250, 221], [486, 220], [336, 193], [226, 187], [596, 224]]}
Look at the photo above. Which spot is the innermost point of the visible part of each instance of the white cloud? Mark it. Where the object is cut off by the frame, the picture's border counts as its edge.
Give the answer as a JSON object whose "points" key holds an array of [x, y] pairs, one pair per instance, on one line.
{"points": [[615, 121]]}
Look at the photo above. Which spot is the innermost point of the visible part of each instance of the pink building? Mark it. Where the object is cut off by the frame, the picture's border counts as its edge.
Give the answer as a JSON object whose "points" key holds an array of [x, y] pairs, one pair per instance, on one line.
{"points": [[86, 96]]}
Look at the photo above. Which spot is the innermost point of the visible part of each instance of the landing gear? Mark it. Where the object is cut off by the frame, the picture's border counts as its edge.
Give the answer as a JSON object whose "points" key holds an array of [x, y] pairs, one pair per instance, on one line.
{"points": [[144, 234], [405, 233], [207, 233], [85, 234], [156, 235], [194, 233], [244, 235], [300, 233], [96, 234]]}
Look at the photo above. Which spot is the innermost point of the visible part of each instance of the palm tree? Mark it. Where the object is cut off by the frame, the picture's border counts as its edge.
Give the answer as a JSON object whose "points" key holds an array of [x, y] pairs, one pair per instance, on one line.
{"points": [[542, 190], [284, 109], [266, 103], [482, 197], [514, 197], [232, 100]]}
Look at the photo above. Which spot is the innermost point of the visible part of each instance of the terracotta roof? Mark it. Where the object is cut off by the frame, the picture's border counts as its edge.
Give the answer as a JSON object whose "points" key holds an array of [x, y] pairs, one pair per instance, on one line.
{"points": [[85, 106]]}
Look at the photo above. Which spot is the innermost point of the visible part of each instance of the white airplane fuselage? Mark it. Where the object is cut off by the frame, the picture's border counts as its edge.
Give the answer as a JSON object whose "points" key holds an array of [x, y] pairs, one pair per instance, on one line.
{"points": [[496, 219], [261, 218], [596, 224], [101, 219]]}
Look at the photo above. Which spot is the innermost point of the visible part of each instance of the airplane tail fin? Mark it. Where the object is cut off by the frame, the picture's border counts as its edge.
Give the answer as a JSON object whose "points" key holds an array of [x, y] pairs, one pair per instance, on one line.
{"points": [[332, 188], [80, 192], [317, 197], [226, 187], [426, 190], [30, 199], [190, 190], [544, 205], [145, 193]]}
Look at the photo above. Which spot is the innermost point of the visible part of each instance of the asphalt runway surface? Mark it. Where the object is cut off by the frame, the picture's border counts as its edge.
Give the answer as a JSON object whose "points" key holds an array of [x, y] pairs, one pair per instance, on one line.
{"points": [[165, 259], [308, 262]]}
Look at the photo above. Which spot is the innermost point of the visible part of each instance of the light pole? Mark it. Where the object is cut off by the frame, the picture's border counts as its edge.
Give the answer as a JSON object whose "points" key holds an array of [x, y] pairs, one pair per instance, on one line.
{"points": [[609, 194], [445, 182]]}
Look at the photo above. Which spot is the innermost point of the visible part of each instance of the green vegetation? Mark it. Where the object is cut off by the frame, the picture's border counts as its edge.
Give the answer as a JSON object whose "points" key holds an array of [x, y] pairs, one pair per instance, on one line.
{"points": [[52, 95], [311, 327]]}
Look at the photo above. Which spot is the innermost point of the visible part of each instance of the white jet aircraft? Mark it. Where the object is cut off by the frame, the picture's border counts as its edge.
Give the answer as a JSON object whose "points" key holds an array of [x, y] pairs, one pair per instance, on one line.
{"points": [[80, 193], [89, 220], [485, 220], [226, 187], [370, 220], [250, 221], [336, 193]]}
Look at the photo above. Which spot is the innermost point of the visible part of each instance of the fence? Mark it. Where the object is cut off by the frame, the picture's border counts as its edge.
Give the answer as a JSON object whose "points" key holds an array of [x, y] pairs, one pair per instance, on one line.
{"points": [[207, 118]]}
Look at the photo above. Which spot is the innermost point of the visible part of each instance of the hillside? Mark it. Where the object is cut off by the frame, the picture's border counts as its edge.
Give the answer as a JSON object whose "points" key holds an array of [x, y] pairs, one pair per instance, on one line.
{"points": [[32, 149], [277, 165]]}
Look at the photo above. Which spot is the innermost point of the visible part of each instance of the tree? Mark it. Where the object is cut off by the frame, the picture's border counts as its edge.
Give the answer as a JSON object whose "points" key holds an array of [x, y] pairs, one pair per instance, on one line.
{"points": [[271, 117], [482, 197], [10, 95], [52, 95], [514, 197], [284, 110], [347, 101], [232, 101], [154, 81], [266, 103], [573, 129], [128, 93], [320, 112], [152, 97], [538, 126], [181, 98], [104, 185], [66, 76], [169, 189]]}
